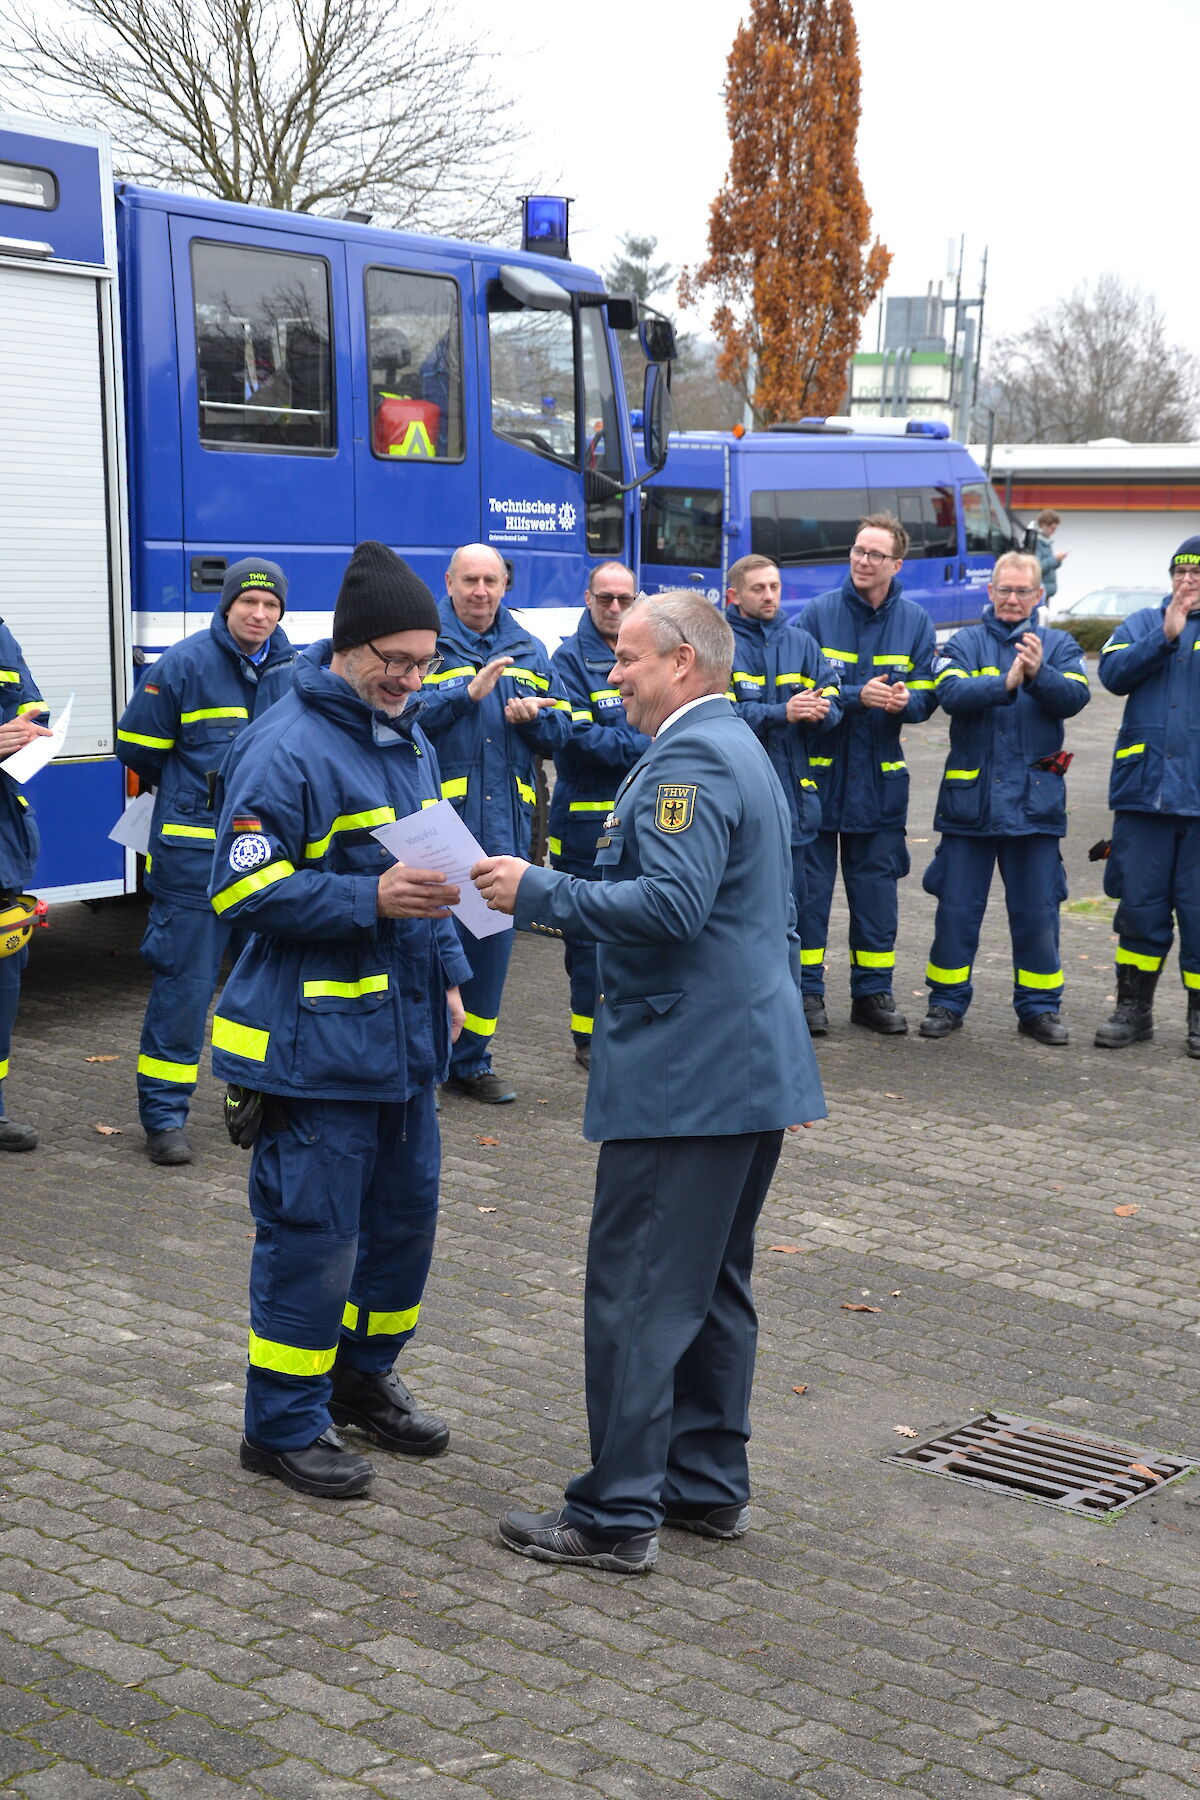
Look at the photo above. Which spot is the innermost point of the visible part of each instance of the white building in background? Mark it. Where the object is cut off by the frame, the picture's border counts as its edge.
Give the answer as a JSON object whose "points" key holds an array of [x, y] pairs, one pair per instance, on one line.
{"points": [[1125, 507]]}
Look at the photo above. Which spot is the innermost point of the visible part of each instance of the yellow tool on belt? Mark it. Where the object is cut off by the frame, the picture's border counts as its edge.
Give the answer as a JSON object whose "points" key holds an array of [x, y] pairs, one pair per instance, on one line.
{"points": [[18, 916]]}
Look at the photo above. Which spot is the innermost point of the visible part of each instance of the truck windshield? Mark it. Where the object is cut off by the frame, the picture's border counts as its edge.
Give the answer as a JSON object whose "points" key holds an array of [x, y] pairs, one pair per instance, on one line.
{"points": [[533, 381]]}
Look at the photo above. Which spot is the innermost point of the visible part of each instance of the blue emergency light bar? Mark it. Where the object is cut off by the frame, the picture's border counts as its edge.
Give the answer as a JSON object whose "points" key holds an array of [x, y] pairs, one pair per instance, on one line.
{"points": [[544, 224]]}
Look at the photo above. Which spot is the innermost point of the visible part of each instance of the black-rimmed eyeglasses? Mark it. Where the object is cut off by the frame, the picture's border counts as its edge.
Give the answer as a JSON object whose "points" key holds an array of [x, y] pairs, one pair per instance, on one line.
{"points": [[406, 665]]}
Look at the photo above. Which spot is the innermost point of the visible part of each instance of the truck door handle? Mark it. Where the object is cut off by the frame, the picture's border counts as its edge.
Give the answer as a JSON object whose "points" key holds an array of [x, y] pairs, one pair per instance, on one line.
{"points": [[208, 574]]}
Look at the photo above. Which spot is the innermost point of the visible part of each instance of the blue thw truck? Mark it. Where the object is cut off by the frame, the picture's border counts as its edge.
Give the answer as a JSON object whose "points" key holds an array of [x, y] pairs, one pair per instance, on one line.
{"points": [[185, 381]]}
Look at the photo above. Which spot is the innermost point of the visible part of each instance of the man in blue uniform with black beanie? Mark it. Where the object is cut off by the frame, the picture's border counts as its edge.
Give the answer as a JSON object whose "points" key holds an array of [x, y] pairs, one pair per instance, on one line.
{"points": [[334, 1029], [1153, 871], [174, 734], [22, 718]]}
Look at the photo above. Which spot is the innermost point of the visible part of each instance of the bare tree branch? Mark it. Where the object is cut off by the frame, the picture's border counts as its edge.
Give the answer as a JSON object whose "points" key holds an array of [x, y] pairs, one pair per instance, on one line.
{"points": [[298, 104]]}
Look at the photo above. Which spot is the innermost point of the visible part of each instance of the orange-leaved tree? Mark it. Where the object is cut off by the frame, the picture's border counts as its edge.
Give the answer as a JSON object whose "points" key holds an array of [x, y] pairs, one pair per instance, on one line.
{"points": [[787, 261]]}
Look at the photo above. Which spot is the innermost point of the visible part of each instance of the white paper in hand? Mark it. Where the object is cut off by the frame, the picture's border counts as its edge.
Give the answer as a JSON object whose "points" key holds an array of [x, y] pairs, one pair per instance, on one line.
{"points": [[438, 839], [133, 827], [24, 763]]}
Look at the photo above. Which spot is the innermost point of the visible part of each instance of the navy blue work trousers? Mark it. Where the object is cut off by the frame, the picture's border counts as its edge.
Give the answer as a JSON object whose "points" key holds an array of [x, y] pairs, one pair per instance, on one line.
{"points": [[183, 946], [1035, 886], [345, 1200], [872, 863], [669, 1326], [489, 959], [1154, 874], [11, 968], [579, 955]]}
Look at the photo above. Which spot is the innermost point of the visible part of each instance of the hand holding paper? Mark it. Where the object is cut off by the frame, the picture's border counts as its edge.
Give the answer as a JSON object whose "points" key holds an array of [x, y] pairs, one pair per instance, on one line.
{"points": [[40, 748], [435, 843]]}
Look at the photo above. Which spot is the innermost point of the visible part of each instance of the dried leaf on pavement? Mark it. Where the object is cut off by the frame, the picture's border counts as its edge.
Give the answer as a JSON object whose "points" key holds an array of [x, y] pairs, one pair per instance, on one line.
{"points": [[857, 1306], [108, 1130], [490, 1141], [1126, 1212], [101, 1059], [487, 1209], [904, 1431], [802, 1389], [787, 1249], [1141, 1469]]}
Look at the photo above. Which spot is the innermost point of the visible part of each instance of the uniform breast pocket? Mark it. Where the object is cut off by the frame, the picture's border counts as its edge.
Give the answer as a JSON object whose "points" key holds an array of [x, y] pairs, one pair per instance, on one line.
{"points": [[1137, 767], [894, 789], [1045, 796], [346, 1030], [961, 799]]}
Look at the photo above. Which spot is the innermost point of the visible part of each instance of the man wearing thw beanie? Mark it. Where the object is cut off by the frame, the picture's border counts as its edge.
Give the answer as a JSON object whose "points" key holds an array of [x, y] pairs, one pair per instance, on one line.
{"points": [[333, 1031], [1153, 870]]}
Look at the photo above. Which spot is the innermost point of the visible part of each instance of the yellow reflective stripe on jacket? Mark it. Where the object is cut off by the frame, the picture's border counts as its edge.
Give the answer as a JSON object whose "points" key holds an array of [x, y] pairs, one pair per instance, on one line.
{"points": [[13, 675], [893, 662], [1072, 675], [1129, 750], [213, 712], [1105, 648], [892, 768], [360, 821], [1191, 979], [874, 959], [946, 674], [987, 669], [455, 789], [839, 655], [820, 762], [189, 831], [581, 715], [1029, 978], [481, 1027], [806, 783], [289, 1359], [186, 1074], [381, 1324], [346, 990], [430, 800], [450, 675], [3, 1069], [1133, 960], [251, 884], [528, 794], [916, 687], [240, 1040], [605, 694], [531, 676], [133, 737], [32, 706], [795, 681], [812, 959], [751, 680], [555, 846], [585, 1025], [962, 774], [947, 977], [588, 806]]}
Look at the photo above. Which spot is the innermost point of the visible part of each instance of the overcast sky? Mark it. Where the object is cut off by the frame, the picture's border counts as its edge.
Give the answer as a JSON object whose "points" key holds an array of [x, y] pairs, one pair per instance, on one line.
{"points": [[1060, 133]]}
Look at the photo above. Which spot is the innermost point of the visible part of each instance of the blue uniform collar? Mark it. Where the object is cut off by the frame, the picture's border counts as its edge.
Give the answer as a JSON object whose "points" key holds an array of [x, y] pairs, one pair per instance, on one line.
{"points": [[505, 634], [593, 647], [276, 649], [761, 628], [851, 593], [1008, 633]]}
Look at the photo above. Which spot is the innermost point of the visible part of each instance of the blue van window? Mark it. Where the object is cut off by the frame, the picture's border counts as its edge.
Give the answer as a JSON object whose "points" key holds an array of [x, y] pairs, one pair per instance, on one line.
{"points": [[927, 514], [681, 527], [803, 525], [264, 371], [414, 341], [533, 380], [602, 439], [987, 527]]}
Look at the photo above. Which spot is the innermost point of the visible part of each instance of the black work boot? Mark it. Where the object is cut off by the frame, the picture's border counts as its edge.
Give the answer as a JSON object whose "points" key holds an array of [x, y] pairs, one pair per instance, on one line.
{"points": [[17, 1137], [1193, 1025], [878, 1013], [1132, 1018], [815, 1016], [381, 1406]]}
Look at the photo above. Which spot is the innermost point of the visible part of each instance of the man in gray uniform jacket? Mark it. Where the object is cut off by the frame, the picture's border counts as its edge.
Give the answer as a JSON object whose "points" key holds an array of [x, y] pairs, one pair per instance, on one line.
{"points": [[700, 1058]]}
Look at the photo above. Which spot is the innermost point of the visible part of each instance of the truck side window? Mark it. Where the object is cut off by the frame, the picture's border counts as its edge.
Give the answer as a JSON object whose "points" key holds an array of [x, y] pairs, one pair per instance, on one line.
{"points": [[264, 369], [987, 527], [927, 514], [605, 513], [414, 341], [681, 527], [533, 380], [806, 525]]}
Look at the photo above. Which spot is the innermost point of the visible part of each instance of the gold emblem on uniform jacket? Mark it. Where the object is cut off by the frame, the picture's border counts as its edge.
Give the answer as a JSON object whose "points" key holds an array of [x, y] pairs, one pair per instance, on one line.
{"points": [[675, 807]]}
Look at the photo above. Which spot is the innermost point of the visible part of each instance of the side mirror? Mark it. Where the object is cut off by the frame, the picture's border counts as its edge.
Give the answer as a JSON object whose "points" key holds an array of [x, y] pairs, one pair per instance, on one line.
{"points": [[656, 416], [657, 338]]}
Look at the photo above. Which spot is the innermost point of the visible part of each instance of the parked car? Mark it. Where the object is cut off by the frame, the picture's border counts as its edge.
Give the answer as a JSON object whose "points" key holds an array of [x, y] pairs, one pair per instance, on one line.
{"points": [[1108, 603]]}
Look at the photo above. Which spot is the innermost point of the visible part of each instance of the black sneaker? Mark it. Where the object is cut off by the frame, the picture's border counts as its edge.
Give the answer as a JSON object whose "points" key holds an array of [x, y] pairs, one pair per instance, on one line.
{"points": [[939, 1021], [485, 1086], [815, 1016], [17, 1137], [878, 1013], [325, 1468], [168, 1148], [381, 1406], [1046, 1028], [548, 1538], [710, 1521]]}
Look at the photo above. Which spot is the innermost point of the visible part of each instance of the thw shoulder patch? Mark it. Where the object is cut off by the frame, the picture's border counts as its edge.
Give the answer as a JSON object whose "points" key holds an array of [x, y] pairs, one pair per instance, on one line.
{"points": [[675, 806]]}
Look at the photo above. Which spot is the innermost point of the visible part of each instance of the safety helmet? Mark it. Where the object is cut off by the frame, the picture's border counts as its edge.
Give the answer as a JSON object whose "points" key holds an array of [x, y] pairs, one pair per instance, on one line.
{"points": [[19, 913]]}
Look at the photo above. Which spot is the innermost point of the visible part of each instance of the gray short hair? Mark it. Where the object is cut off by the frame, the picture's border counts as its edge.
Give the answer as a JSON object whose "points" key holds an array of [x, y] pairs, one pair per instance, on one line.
{"points": [[682, 617], [1011, 559]]}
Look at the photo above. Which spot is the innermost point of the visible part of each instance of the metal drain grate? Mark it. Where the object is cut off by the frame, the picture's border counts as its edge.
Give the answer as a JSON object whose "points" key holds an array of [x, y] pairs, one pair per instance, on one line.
{"points": [[1087, 1475]]}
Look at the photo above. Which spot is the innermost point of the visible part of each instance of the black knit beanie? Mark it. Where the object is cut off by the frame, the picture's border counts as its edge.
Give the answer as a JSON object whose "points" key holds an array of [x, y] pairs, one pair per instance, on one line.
{"points": [[380, 594], [253, 575], [1187, 556]]}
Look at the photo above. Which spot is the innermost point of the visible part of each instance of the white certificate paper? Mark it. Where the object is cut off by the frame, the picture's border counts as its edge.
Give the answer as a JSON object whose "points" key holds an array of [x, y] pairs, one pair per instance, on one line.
{"points": [[438, 839], [133, 827], [24, 763]]}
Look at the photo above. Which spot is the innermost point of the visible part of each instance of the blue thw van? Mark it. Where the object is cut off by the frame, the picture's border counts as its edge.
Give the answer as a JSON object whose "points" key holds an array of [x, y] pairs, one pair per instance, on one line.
{"points": [[796, 494]]}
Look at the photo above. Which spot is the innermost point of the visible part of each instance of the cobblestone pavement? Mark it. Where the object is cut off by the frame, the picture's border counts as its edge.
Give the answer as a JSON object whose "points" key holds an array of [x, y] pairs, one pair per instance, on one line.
{"points": [[176, 1629]]}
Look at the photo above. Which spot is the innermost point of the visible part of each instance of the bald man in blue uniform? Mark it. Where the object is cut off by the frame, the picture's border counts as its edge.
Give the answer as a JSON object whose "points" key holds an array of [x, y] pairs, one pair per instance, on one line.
{"points": [[700, 1059]]}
